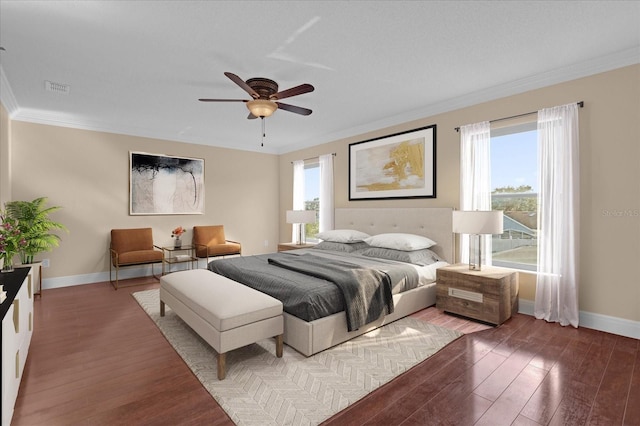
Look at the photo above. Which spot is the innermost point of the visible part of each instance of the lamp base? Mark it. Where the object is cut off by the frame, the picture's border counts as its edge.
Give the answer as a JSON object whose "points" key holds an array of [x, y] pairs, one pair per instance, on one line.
{"points": [[475, 267], [300, 240], [475, 262]]}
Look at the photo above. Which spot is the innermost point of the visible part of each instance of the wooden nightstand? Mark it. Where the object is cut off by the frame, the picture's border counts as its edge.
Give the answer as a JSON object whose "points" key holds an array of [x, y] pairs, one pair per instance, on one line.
{"points": [[489, 295], [293, 246]]}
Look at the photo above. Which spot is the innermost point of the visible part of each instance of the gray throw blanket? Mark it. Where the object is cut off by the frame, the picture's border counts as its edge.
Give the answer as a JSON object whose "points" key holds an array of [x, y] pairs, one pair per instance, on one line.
{"points": [[367, 292]]}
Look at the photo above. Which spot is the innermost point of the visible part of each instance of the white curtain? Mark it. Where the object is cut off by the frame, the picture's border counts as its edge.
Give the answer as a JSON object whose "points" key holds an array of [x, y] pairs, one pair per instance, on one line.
{"points": [[475, 178], [558, 215], [298, 193], [326, 192]]}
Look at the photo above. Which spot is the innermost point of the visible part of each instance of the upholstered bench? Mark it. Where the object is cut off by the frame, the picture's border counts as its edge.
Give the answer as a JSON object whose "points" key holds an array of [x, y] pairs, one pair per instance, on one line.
{"points": [[225, 313]]}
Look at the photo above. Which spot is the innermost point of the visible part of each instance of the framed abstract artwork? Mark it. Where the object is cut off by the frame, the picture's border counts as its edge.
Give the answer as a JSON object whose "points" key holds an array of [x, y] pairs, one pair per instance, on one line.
{"points": [[162, 184], [402, 165]]}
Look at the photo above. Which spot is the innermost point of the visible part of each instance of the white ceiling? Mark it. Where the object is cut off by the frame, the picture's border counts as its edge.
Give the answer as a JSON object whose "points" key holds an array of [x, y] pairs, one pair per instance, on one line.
{"points": [[138, 67]]}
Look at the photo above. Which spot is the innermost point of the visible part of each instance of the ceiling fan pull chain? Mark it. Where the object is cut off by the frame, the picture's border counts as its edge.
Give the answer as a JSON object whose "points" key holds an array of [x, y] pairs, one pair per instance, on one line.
{"points": [[263, 132]]}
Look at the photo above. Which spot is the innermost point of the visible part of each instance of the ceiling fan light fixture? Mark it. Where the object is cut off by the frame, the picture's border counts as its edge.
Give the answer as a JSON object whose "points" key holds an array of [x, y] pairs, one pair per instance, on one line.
{"points": [[261, 107]]}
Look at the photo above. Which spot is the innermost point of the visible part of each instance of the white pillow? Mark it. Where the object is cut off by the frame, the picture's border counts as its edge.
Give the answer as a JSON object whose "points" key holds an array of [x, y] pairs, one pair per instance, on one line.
{"points": [[342, 236], [400, 241]]}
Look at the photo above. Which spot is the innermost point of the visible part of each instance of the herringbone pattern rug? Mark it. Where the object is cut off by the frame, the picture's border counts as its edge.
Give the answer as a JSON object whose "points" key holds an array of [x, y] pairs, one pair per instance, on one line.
{"points": [[261, 389]]}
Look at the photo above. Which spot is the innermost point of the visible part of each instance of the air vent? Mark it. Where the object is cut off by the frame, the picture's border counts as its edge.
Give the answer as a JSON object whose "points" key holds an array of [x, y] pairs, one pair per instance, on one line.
{"points": [[61, 89]]}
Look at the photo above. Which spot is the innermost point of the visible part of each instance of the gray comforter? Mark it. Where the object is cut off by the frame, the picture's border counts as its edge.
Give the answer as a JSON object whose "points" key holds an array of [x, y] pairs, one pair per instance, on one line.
{"points": [[306, 297], [367, 292]]}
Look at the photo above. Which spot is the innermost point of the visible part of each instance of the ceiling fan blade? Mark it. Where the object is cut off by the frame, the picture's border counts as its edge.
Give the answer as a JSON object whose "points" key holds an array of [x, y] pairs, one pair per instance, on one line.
{"points": [[237, 80], [294, 91], [222, 100], [251, 116], [294, 109]]}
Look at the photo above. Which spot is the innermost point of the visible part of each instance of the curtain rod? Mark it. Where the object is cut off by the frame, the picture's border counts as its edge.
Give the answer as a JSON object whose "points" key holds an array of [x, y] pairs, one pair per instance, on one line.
{"points": [[313, 158], [580, 104]]}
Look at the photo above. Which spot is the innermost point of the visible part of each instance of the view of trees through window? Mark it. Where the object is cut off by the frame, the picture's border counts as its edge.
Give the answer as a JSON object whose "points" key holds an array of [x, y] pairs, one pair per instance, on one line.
{"points": [[514, 179]]}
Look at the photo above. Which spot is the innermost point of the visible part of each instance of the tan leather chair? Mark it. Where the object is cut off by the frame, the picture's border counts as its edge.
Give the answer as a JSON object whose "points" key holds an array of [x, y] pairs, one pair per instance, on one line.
{"points": [[130, 247], [210, 241]]}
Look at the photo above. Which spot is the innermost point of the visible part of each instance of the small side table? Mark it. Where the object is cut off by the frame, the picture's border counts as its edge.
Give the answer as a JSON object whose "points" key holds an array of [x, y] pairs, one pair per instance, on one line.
{"points": [[489, 295], [293, 246], [173, 255]]}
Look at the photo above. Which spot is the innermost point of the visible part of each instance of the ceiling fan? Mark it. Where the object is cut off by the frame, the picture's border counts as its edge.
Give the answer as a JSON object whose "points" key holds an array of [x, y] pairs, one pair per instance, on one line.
{"points": [[265, 96]]}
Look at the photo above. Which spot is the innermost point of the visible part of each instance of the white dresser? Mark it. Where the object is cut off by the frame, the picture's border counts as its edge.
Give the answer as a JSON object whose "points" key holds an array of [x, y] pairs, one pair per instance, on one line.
{"points": [[17, 328]]}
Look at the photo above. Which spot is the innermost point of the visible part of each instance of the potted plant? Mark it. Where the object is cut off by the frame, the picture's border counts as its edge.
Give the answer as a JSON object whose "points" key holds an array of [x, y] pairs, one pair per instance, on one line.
{"points": [[35, 226], [11, 241]]}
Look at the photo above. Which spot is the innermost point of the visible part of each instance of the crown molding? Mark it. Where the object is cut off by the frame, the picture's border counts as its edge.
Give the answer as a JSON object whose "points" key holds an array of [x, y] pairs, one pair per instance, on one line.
{"points": [[62, 120], [572, 72]]}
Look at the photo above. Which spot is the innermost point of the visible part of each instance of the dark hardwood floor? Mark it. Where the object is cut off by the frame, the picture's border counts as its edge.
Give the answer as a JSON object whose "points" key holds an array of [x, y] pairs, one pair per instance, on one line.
{"points": [[97, 359]]}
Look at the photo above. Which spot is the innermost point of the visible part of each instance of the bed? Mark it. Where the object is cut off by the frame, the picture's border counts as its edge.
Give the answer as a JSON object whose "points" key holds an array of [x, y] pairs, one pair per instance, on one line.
{"points": [[311, 328]]}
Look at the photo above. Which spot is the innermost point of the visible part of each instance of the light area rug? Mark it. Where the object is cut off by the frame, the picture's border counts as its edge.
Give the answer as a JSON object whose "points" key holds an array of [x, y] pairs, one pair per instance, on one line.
{"points": [[260, 389]]}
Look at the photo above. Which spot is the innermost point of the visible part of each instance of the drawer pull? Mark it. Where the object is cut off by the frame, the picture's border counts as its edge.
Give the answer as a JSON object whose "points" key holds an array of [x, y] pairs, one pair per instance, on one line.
{"points": [[464, 294]]}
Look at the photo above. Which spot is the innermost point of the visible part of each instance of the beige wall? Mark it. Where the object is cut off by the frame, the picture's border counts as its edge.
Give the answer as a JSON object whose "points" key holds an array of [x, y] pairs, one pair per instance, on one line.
{"points": [[610, 176], [87, 173], [5, 160]]}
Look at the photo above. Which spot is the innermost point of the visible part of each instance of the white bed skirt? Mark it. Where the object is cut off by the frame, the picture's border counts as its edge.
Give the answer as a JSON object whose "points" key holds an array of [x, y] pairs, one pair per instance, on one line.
{"points": [[312, 337]]}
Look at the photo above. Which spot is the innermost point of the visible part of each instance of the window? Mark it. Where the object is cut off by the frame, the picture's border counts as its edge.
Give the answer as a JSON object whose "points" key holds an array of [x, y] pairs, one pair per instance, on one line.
{"points": [[313, 191], [514, 179], [312, 198]]}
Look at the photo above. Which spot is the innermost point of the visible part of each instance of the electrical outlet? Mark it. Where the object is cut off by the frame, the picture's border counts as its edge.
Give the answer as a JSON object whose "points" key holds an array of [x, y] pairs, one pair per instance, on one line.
{"points": [[45, 263], [266, 243]]}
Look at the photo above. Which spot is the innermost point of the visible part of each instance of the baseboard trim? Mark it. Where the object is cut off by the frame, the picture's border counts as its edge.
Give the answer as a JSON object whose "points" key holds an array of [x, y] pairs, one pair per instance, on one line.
{"points": [[609, 324], [525, 307], [98, 277]]}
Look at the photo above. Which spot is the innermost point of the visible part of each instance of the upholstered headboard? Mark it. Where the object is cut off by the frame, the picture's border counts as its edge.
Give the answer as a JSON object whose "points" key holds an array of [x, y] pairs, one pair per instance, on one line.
{"points": [[435, 223]]}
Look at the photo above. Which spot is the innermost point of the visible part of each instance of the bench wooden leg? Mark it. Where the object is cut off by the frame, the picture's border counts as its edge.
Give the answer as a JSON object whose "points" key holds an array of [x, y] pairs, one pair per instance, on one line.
{"points": [[222, 368], [161, 308], [279, 345]]}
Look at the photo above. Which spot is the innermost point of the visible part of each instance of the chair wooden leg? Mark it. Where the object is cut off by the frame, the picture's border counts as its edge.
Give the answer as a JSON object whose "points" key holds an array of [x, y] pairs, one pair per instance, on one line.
{"points": [[161, 308]]}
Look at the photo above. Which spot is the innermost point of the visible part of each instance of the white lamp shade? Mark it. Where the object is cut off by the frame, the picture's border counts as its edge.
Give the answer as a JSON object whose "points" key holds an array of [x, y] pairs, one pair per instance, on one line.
{"points": [[477, 222], [301, 216]]}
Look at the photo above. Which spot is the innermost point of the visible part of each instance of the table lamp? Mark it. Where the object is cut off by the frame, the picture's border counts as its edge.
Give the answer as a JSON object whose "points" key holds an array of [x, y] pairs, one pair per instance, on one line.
{"points": [[477, 223], [299, 218]]}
